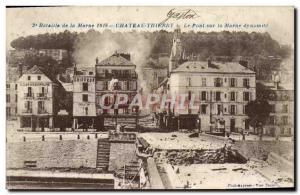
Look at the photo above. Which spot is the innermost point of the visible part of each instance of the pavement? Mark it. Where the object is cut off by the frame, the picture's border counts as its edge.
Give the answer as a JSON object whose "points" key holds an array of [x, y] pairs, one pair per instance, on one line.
{"points": [[221, 176], [179, 140], [12, 135], [251, 137]]}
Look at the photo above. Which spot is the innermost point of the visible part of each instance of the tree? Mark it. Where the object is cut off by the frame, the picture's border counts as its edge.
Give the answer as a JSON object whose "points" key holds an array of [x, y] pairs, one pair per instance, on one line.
{"points": [[47, 63], [258, 111]]}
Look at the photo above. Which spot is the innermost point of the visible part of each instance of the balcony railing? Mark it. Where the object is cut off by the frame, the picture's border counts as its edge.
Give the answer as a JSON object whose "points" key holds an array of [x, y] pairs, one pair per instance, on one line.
{"points": [[27, 111], [42, 111], [218, 84], [28, 95], [40, 95], [116, 75]]}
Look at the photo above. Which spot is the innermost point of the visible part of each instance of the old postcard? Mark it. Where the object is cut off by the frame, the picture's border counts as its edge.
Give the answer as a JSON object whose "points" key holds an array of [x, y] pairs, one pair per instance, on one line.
{"points": [[127, 98]]}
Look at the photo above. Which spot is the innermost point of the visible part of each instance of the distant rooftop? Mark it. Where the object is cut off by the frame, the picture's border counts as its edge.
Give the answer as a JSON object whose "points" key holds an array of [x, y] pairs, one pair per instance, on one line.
{"points": [[265, 85], [213, 67], [34, 70], [39, 70], [117, 59]]}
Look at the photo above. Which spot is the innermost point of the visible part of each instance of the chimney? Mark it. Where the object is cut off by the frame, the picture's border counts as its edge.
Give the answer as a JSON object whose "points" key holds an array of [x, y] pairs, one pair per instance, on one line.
{"points": [[97, 60], [209, 62]]}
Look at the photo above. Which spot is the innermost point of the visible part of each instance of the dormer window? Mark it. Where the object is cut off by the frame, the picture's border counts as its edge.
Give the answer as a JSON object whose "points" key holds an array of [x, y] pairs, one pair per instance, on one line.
{"points": [[39, 78]]}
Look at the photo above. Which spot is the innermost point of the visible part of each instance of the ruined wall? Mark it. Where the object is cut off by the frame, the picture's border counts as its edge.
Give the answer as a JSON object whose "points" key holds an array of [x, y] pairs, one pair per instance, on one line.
{"points": [[66, 153], [120, 153]]}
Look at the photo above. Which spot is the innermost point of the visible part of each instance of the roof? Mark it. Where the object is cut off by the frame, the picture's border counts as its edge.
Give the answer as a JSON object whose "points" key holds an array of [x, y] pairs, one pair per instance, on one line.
{"points": [[116, 60], [214, 67], [39, 70], [264, 85], [34, 70]]}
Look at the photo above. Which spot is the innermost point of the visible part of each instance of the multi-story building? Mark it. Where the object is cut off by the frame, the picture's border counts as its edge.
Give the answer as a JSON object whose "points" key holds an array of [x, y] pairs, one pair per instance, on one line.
{"points": [[84, 106], [221, 91], [56, 54], [122, 72], [12, 75], [11, 100], [281, 118], [37, 100], [153, 76], [280, 95]]}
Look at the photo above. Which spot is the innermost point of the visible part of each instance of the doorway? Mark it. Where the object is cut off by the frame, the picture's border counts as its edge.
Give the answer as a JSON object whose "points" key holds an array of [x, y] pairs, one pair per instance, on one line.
{"points": [[232, 125]]}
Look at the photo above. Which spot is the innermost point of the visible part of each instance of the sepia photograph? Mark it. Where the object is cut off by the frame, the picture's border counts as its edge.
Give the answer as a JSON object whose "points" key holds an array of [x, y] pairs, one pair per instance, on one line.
{"points": [[150, 98]]}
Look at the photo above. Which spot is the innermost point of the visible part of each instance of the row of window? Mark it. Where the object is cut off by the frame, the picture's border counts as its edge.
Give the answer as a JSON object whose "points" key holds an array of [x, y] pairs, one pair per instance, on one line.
{"points": [[121, 85], [284, 109], [216, 96], [232, 109], [8, 86], [8, 98], [103, 85], [28, 107], [116, 73], [9, 109], [84, 79], [283, 120], [39, 77], [42, 92], [219, 82], [285, 131]]}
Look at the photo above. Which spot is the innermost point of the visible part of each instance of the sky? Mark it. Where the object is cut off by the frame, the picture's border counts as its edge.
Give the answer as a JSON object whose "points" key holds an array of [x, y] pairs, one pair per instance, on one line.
{"points": [[278, 21]]}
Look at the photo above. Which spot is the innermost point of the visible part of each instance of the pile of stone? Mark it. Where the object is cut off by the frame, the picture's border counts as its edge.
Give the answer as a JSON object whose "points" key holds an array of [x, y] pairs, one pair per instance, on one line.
{"points": [[218, 156]]}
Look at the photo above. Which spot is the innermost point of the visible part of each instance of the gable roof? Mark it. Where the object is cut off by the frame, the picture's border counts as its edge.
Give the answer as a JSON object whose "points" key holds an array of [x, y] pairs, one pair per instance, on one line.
{"points": [[39, 70], [214, 67], [116, 60], [34, 70]]}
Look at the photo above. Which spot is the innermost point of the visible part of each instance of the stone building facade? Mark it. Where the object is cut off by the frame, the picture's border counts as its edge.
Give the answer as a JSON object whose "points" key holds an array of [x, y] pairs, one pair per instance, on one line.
{"points": [[221, 91], [37, 103], [84, 106], [281, 119], [115, 75], [11, 100]]}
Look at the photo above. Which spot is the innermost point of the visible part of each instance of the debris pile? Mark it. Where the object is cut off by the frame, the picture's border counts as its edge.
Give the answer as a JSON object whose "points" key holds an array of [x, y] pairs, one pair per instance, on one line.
{"points": [[218, 156]]}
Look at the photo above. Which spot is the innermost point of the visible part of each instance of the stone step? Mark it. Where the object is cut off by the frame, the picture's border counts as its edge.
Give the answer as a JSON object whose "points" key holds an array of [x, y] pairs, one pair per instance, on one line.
{"points": [[102, 165], [103, 148], [103, 161], [103, 152]]}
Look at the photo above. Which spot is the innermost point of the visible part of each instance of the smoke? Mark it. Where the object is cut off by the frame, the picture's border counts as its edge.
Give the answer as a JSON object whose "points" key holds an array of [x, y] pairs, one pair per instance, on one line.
{"points": [[94, 44]]}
